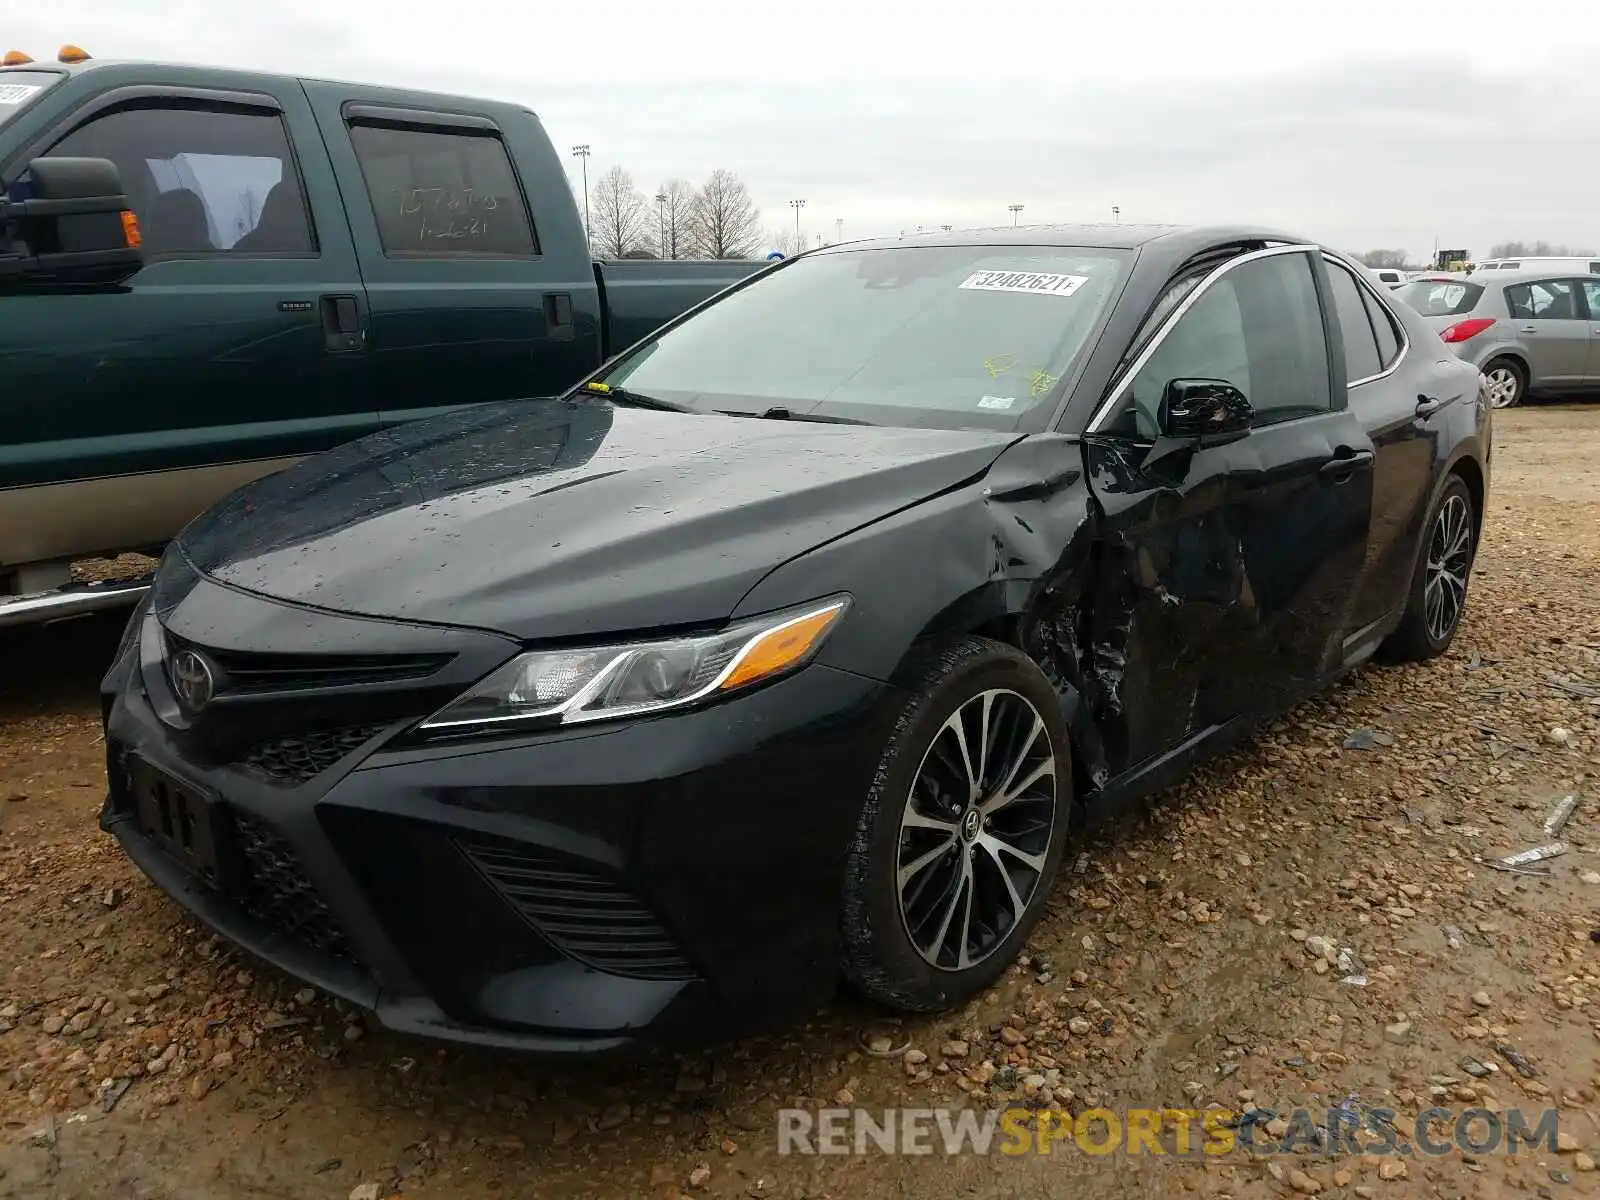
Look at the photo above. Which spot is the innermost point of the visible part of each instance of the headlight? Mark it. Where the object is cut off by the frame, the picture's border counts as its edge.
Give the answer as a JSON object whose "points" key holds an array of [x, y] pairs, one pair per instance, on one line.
{"points": [[566, 687]]}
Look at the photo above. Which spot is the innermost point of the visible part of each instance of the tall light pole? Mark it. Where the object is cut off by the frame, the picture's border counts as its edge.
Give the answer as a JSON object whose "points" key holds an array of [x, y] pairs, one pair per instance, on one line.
{"points": [[1015, 209], [661, 211], [838, 229], [582, 151], [797, 205], [1116, 214]]}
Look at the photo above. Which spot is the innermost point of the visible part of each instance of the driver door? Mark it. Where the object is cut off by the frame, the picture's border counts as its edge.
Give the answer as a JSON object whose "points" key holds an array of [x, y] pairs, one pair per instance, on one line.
{"points": [[1234, 563]]}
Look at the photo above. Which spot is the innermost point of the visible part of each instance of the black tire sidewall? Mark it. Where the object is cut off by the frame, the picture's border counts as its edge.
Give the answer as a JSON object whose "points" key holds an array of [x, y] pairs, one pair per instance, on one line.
{"points": [[879, 956], [1454, 485], [1517, 372]]}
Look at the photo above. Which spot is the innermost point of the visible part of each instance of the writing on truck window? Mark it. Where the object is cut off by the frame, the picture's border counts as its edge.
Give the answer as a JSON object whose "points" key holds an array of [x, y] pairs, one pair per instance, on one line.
{"points": [[442, 192]]}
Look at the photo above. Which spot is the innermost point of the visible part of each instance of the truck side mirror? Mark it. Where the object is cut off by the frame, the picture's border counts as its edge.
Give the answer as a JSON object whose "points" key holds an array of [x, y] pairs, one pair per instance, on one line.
{"points": [[75, 227], [1210, 410]]}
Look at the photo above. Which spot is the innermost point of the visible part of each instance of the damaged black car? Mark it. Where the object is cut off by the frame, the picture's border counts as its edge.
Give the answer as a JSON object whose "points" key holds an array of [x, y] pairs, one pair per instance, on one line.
{"points": [[793, 646]]}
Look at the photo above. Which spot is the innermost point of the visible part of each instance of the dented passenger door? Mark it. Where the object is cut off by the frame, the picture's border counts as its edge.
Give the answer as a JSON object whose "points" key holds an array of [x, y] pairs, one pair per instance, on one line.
{"points": [[1227, 561]]}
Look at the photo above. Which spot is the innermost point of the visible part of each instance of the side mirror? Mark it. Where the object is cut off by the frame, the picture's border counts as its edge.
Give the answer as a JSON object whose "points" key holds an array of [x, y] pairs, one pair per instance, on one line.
{"points": [[1211, 411], [75, 227]]}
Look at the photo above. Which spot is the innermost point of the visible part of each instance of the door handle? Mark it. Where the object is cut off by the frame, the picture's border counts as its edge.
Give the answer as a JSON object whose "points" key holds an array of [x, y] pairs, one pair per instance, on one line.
{"points": [[1428, 405], [558, 316], [342, 331], [1530, 329], [1345, 465]]}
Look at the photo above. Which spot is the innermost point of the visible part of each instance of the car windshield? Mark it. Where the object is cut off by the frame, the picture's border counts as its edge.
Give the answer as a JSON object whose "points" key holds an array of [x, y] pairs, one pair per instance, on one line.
{"points": [[1441, 298], [18, 89], [948, 336]]}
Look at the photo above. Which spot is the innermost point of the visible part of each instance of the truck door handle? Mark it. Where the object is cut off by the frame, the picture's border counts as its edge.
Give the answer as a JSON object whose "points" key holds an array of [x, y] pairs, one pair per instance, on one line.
{"points": [[558, 316], [1346, 464], [341, 325]]}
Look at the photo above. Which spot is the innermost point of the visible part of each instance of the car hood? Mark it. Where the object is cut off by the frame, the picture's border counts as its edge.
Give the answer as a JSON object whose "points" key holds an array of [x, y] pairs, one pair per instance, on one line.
{"points": [[554, 519]]}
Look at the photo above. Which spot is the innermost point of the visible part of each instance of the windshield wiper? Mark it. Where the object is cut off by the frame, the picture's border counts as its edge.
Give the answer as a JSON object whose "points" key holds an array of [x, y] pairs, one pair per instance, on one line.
{"points": [[622, 395], [784, 414]]}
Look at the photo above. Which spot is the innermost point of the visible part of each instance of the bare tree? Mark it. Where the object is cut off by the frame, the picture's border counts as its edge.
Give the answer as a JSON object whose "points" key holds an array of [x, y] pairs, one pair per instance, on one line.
{"points": [[726, 223], [1393, 259], [789, 242], [621, 219], [676, 218], [1537, 250]]}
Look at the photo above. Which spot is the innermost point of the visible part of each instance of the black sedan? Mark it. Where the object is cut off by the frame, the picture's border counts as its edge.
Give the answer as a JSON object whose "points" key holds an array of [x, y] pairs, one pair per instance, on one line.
{"points": [[794, 645]]}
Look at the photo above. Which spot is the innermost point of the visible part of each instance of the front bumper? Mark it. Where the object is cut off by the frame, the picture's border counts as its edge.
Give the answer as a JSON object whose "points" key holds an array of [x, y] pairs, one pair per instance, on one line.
{"points": [[673, 880]]}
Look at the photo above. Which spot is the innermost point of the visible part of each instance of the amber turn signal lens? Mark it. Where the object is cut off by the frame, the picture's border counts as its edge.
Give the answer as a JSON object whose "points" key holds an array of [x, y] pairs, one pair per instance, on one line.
{"points": [[130, 229], [783, 647], [14, 58], [72, 54]]}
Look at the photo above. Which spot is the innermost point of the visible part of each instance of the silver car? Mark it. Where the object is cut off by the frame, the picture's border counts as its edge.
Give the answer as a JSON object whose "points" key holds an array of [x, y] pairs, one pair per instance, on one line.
{"points": [[1527, 331]]}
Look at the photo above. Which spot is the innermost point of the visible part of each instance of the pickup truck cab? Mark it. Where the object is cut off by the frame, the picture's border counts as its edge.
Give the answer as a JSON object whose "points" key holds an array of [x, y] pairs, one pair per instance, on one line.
{"points": [[320, 261]]}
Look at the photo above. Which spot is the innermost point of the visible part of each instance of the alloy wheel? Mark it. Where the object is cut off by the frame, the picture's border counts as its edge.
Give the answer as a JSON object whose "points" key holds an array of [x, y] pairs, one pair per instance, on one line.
{"points": [[975, 832], [1503, 386], [1449, 561]]}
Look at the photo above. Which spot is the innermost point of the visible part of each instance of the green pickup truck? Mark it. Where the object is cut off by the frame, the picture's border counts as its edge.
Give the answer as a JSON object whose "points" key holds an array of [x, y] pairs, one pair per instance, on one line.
{"points": [[319, 261]]}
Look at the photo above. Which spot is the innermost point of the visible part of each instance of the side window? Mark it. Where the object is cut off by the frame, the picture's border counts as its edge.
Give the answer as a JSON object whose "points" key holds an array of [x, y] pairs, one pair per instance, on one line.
{"points": [[1360, 343], [443, 192], [1546, 300], [1384, 326], [1259, 327], [202, 180], [1591, 293]]}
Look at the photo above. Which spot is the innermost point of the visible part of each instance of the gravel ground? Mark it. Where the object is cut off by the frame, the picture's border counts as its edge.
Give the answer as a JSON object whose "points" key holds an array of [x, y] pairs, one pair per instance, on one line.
{"points": [[1203, 955]]}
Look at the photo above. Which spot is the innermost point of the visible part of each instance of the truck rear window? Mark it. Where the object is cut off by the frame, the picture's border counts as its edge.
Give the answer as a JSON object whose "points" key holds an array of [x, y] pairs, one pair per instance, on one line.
{"points": [[443, 192], [18, 89]]}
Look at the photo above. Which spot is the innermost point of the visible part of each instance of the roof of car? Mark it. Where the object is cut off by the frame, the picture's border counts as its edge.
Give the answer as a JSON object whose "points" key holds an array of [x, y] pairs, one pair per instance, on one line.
{"points": [[1177, 238], [1523, 274]]}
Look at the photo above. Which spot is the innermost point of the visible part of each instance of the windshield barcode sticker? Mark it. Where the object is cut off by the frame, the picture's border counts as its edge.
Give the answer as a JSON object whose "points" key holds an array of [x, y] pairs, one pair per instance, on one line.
{"points": [[1024, 281], [16, 93]]}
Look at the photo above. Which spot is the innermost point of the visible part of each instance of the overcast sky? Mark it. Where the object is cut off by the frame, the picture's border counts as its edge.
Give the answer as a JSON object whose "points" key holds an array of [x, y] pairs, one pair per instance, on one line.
{"points": [[1361, 123]]}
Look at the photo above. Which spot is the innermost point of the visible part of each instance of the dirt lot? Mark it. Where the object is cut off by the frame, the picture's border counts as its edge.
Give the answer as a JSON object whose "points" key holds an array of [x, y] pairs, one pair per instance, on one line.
{"points": [[1174, 971]]}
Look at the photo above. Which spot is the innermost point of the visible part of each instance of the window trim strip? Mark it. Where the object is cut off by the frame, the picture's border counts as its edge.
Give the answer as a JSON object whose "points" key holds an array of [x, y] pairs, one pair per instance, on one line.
{"points": [[1125, 377]]}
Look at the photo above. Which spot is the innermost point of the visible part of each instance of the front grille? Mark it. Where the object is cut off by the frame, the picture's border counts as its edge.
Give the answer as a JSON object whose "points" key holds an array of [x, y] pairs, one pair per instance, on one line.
{"points": [[293, 760], [248, 672], [581, 910], [275, 891]]}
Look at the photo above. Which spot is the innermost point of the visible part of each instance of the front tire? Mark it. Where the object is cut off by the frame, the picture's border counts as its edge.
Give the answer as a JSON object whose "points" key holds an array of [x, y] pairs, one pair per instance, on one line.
{"points": [[1439, 588], [1508, 382], [962, 832]]}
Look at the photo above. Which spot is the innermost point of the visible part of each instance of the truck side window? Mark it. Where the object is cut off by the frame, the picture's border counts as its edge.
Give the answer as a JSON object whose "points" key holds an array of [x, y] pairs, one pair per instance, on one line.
{"points": [[202, 180], [437, 192]]}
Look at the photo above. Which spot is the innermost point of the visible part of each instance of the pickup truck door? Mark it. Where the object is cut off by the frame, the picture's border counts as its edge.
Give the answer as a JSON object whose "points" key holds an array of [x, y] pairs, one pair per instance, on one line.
{"points": [[480, 282], [133, 410], [1225, 589]]}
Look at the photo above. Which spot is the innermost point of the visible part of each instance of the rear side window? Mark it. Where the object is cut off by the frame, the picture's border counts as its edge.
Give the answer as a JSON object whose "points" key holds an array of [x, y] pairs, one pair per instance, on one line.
{"points": [[1360, 344], [1546, 300], [443, 192], [202, 180], [1441, 298], [1384, 328]]}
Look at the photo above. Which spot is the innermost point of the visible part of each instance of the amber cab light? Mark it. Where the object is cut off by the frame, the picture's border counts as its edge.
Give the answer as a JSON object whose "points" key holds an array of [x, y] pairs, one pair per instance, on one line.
{"points": [[1462, 330], [72, 54], [14, 58]]}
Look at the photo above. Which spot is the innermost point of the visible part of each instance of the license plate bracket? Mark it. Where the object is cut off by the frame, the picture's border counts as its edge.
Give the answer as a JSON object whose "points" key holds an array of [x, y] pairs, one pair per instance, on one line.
{"points": [[180, 818]]}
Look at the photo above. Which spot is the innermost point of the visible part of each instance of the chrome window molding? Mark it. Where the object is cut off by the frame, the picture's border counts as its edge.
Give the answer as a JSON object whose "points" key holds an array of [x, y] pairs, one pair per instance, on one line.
{"points": [[1394, 319], [1115, 394]]}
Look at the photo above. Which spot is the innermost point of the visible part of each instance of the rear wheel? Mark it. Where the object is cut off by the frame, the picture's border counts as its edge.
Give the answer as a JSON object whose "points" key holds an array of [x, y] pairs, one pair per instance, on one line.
{"points": [[962, 832], [1439, 588], [1508, 382]]}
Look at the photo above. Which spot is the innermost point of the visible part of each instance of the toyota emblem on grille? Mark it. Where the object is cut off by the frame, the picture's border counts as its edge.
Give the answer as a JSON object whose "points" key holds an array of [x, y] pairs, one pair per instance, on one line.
{"points": [[191, 679]]}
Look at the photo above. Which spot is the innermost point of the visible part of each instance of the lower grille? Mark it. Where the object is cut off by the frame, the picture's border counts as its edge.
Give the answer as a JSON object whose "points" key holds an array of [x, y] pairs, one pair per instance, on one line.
{"points": [[581, 910], [293, 760], [275, 891]]}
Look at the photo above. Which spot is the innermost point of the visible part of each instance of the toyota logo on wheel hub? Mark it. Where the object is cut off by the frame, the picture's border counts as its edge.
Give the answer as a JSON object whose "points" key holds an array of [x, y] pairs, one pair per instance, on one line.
{"points": [[191, 679]]}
